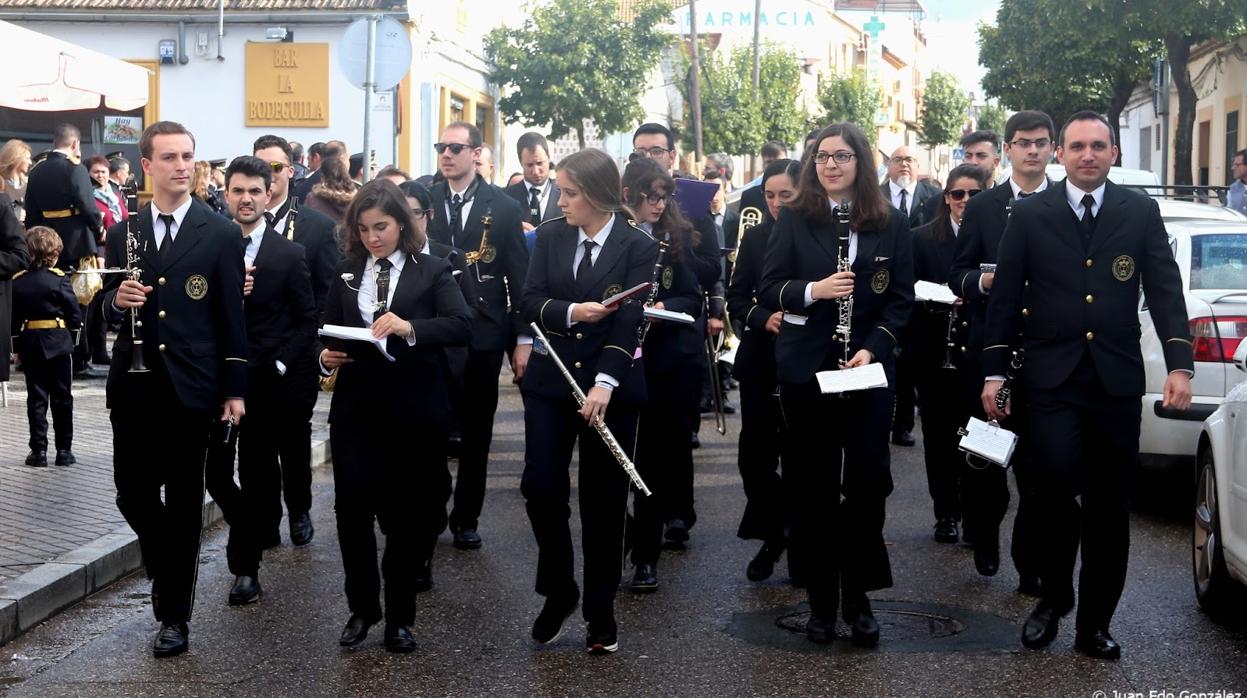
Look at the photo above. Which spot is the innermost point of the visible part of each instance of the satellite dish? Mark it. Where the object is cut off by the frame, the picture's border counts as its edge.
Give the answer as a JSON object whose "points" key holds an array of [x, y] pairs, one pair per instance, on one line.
{"points": [[392, 54]]}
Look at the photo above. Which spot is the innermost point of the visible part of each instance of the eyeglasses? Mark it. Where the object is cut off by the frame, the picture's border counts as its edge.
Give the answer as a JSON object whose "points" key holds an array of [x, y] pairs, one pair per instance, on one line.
{"points": [[455, 148], [839, 157], [655, 199], [277, 166], [907, 160], [422, 212], [1026, 143], [653, 152], [959, 194]]}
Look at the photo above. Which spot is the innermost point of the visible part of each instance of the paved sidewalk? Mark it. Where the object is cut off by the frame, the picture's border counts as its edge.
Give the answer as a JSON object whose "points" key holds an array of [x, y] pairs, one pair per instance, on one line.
{"points": [[61, 536]]}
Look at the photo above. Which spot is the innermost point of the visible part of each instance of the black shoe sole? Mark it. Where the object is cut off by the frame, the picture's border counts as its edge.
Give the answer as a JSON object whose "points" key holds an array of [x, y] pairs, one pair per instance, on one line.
{"points": [[598, 648], [643, 588], [165, 654], [244, 600]]}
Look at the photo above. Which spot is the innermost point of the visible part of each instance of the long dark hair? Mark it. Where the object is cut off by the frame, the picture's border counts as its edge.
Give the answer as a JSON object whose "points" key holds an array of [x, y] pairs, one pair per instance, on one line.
{"points": [[941, 222], [871, 211], [792, 168], [385, 196], [642, 176]]}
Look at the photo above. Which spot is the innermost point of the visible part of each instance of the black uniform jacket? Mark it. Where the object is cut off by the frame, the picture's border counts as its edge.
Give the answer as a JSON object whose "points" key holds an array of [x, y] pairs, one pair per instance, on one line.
{"points": [[315, 232], [802, 251], [929, 332], [1086, 297], [587, 348], [44, 294], [281, 316], [414, 385], [668, 345], [502, 276], [457, 357], [755, 357], [982, 227], [13, 258], [59, 195], [919, 212], [193, 319], [519, 192]]}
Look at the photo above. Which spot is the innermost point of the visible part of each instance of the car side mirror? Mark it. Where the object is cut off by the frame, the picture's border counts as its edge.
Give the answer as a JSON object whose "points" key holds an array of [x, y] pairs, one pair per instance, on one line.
{"points": [[1240, 356]]}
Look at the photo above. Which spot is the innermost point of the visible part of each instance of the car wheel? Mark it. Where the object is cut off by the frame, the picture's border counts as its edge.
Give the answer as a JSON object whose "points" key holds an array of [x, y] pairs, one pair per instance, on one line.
{"points": [[1212, 580]]}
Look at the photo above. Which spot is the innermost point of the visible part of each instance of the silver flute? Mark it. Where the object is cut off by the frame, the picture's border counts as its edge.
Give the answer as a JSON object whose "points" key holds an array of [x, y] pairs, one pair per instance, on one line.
{"points": [[844, 322], [600, 424]]}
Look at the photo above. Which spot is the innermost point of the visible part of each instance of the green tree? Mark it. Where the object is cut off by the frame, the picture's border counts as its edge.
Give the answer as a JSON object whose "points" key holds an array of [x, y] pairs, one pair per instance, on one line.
{"points": [[779, 87], [1041, 55], [573, 61], [853, 98], [731, 114], [992, 117], [944, 107]]}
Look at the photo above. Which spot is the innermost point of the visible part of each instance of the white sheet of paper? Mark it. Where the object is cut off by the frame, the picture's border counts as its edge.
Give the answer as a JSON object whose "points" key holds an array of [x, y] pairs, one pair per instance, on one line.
{"points": [[669, 315], [849, 379], [937, 293], [989, 440], [355, 334]]}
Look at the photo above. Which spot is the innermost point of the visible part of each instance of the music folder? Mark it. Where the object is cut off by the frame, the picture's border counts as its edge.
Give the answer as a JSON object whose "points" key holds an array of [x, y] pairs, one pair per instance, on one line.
{"points": [[626, 294], [988, 440], [936, 293], [354, 334], [846, 380], [668, 315]]}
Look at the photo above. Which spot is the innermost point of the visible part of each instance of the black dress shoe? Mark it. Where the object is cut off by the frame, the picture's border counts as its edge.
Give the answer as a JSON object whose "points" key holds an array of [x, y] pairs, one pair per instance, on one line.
{"points": [[861, 620], [820, 629], [694, 441], [729, 407], [172, 640], [706, 407], [301, 530], [424, 575], [987, 559], [64, 456], [762, 566], [398, 639], [453, 444], [603, 637], [1041, 625], [645, 579], [246, 590], [356, 630], [102, 360], [1030, 585], [1099, 645], [677, 532], [946, 530], [549, 623], [87, 371], [37, 459], [903, 438], [467, 539]]}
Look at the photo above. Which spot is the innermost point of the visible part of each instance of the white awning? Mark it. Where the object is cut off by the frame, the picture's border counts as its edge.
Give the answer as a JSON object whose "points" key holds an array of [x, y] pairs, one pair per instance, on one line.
{"points": [[48, 74]]}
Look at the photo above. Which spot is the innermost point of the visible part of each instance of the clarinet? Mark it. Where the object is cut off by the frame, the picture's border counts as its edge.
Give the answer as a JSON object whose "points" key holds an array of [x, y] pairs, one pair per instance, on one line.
{"points": [[603, 431], [844, 324], [643, 329], [292, 215], [131, 190], [1006, 388]]}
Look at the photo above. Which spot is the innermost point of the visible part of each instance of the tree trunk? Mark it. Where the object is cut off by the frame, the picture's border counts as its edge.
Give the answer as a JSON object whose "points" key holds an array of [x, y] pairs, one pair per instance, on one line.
{"points": [[1123, 87], [695, 91], [1179, 50], [580, 134]]}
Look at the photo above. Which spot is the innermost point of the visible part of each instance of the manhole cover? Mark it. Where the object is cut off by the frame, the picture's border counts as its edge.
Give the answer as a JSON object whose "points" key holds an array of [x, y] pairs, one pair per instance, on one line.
{"points": [[895, 624]]}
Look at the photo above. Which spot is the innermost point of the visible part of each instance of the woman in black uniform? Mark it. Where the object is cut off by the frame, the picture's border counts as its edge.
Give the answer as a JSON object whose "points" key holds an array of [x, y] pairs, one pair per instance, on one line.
{"points": [[838, 443], [587, 256], [766, 508], [388, 420], [673, 373]]}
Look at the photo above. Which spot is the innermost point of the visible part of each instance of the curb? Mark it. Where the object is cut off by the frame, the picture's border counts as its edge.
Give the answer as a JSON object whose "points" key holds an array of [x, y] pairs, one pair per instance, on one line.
{"points": [[41, 593]]}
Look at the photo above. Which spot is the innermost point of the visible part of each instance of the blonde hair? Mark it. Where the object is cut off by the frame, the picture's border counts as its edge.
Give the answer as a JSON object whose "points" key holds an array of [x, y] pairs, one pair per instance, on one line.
{"points": [[11, 155], [45, 247], [200, 179]]}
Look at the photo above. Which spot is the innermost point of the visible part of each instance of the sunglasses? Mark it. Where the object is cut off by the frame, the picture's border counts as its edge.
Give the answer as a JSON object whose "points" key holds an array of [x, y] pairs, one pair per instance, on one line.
{"points": [[277, 166], [455, 148], [959, 194]]}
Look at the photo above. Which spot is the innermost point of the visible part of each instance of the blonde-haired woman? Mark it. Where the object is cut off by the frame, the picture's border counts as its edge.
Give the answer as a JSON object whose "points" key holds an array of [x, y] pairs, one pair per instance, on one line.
{"points": [[590, 254], [14, 166], [201, 180]]}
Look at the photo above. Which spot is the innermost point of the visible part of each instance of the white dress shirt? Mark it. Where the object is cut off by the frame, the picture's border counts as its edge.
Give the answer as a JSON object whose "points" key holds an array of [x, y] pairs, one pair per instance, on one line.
{"points": [[1018, 191], [600, 240], [1074, 196], [254, 239], [279, 224], [543, 196], [366, 299], [179, 215], [463, 210], [809, 288], [896, 190]]}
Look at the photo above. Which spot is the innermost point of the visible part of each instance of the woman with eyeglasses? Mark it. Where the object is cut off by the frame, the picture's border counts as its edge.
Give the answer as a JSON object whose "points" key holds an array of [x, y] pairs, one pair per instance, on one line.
{"points": [[758, 455], [837, 444], [389, 420], [673, 372], [937, 350], [580, 260]]}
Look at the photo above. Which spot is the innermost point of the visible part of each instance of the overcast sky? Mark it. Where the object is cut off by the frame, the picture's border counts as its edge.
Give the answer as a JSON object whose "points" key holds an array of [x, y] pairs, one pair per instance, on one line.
{"points": [[952, 38]]}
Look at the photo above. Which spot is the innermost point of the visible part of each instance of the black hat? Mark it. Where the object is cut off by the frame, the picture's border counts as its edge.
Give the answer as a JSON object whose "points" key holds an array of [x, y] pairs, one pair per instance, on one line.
{"points": [[217, 164], [115, 155]]}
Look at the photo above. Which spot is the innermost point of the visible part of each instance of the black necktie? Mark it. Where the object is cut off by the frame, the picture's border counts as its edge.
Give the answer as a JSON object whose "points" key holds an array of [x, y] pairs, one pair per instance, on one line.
{"points": [[166, 243], [586, 262], [534, 206], [456, 222], [383, 287], [904, 206], [1024, 194], [270, 218], [1088, 220]]}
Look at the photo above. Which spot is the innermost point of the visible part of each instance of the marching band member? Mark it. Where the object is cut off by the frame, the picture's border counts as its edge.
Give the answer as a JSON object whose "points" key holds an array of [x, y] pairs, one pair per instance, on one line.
{"points": [[758, 454], [389, 420], [838, 444], [673, 354], [579, 261]]}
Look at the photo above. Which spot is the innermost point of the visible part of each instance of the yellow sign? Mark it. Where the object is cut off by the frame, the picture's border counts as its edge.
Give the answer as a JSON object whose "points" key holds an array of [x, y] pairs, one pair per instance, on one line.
{"points": [[287, 85]]}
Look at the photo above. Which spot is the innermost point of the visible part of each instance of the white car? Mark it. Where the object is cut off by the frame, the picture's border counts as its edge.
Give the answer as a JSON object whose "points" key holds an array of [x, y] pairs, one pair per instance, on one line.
{"points": [[1219, 550], [1210, 246]]}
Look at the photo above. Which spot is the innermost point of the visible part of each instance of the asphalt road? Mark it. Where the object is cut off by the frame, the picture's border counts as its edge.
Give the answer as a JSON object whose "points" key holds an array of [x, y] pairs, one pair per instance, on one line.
{"points": [[708, 631]]}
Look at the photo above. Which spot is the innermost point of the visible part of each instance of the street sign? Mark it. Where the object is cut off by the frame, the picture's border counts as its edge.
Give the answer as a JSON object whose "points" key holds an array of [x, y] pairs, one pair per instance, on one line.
{"points": [[959, 153], [392, 53]]}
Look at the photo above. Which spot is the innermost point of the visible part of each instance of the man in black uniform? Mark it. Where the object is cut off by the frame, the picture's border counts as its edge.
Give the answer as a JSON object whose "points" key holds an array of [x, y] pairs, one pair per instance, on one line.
{"points": [[538, 194], [460, 205], [1087, 248], [1029, 140], [13, 258], [60, 196], [194, 345]]}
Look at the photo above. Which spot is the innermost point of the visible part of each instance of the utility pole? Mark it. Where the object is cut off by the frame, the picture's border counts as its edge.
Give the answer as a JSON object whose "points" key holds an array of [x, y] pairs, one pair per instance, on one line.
{"points": [[757, 74], [695, 88]]}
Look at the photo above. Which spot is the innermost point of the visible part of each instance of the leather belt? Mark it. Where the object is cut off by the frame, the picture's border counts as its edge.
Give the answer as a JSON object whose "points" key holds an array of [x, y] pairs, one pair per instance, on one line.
{"points": [[57, 324], [61, 213]]}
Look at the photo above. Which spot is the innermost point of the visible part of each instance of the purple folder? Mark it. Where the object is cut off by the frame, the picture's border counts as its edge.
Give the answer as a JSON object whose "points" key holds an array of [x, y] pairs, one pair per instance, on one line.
{"points": [[694, 197]]}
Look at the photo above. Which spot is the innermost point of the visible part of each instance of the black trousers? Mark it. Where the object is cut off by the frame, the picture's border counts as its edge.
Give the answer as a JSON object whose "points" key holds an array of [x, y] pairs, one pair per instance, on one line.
{"points": [[840, 470], [479, 402], [95, 328], [941, 394], [1086, 443], [238, 505], [383, 476], [664, 456], [903, 416], [758, 458], [553, 428], [275, 449], [159, 443], [48, 382], [83, 348]]}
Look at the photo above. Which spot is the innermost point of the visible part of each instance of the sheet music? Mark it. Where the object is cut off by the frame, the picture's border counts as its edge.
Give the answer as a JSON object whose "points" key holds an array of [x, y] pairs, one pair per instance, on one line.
{"points": [[849, 379], [668, 315], [355, 334], [988, 440], [936, 293]]}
